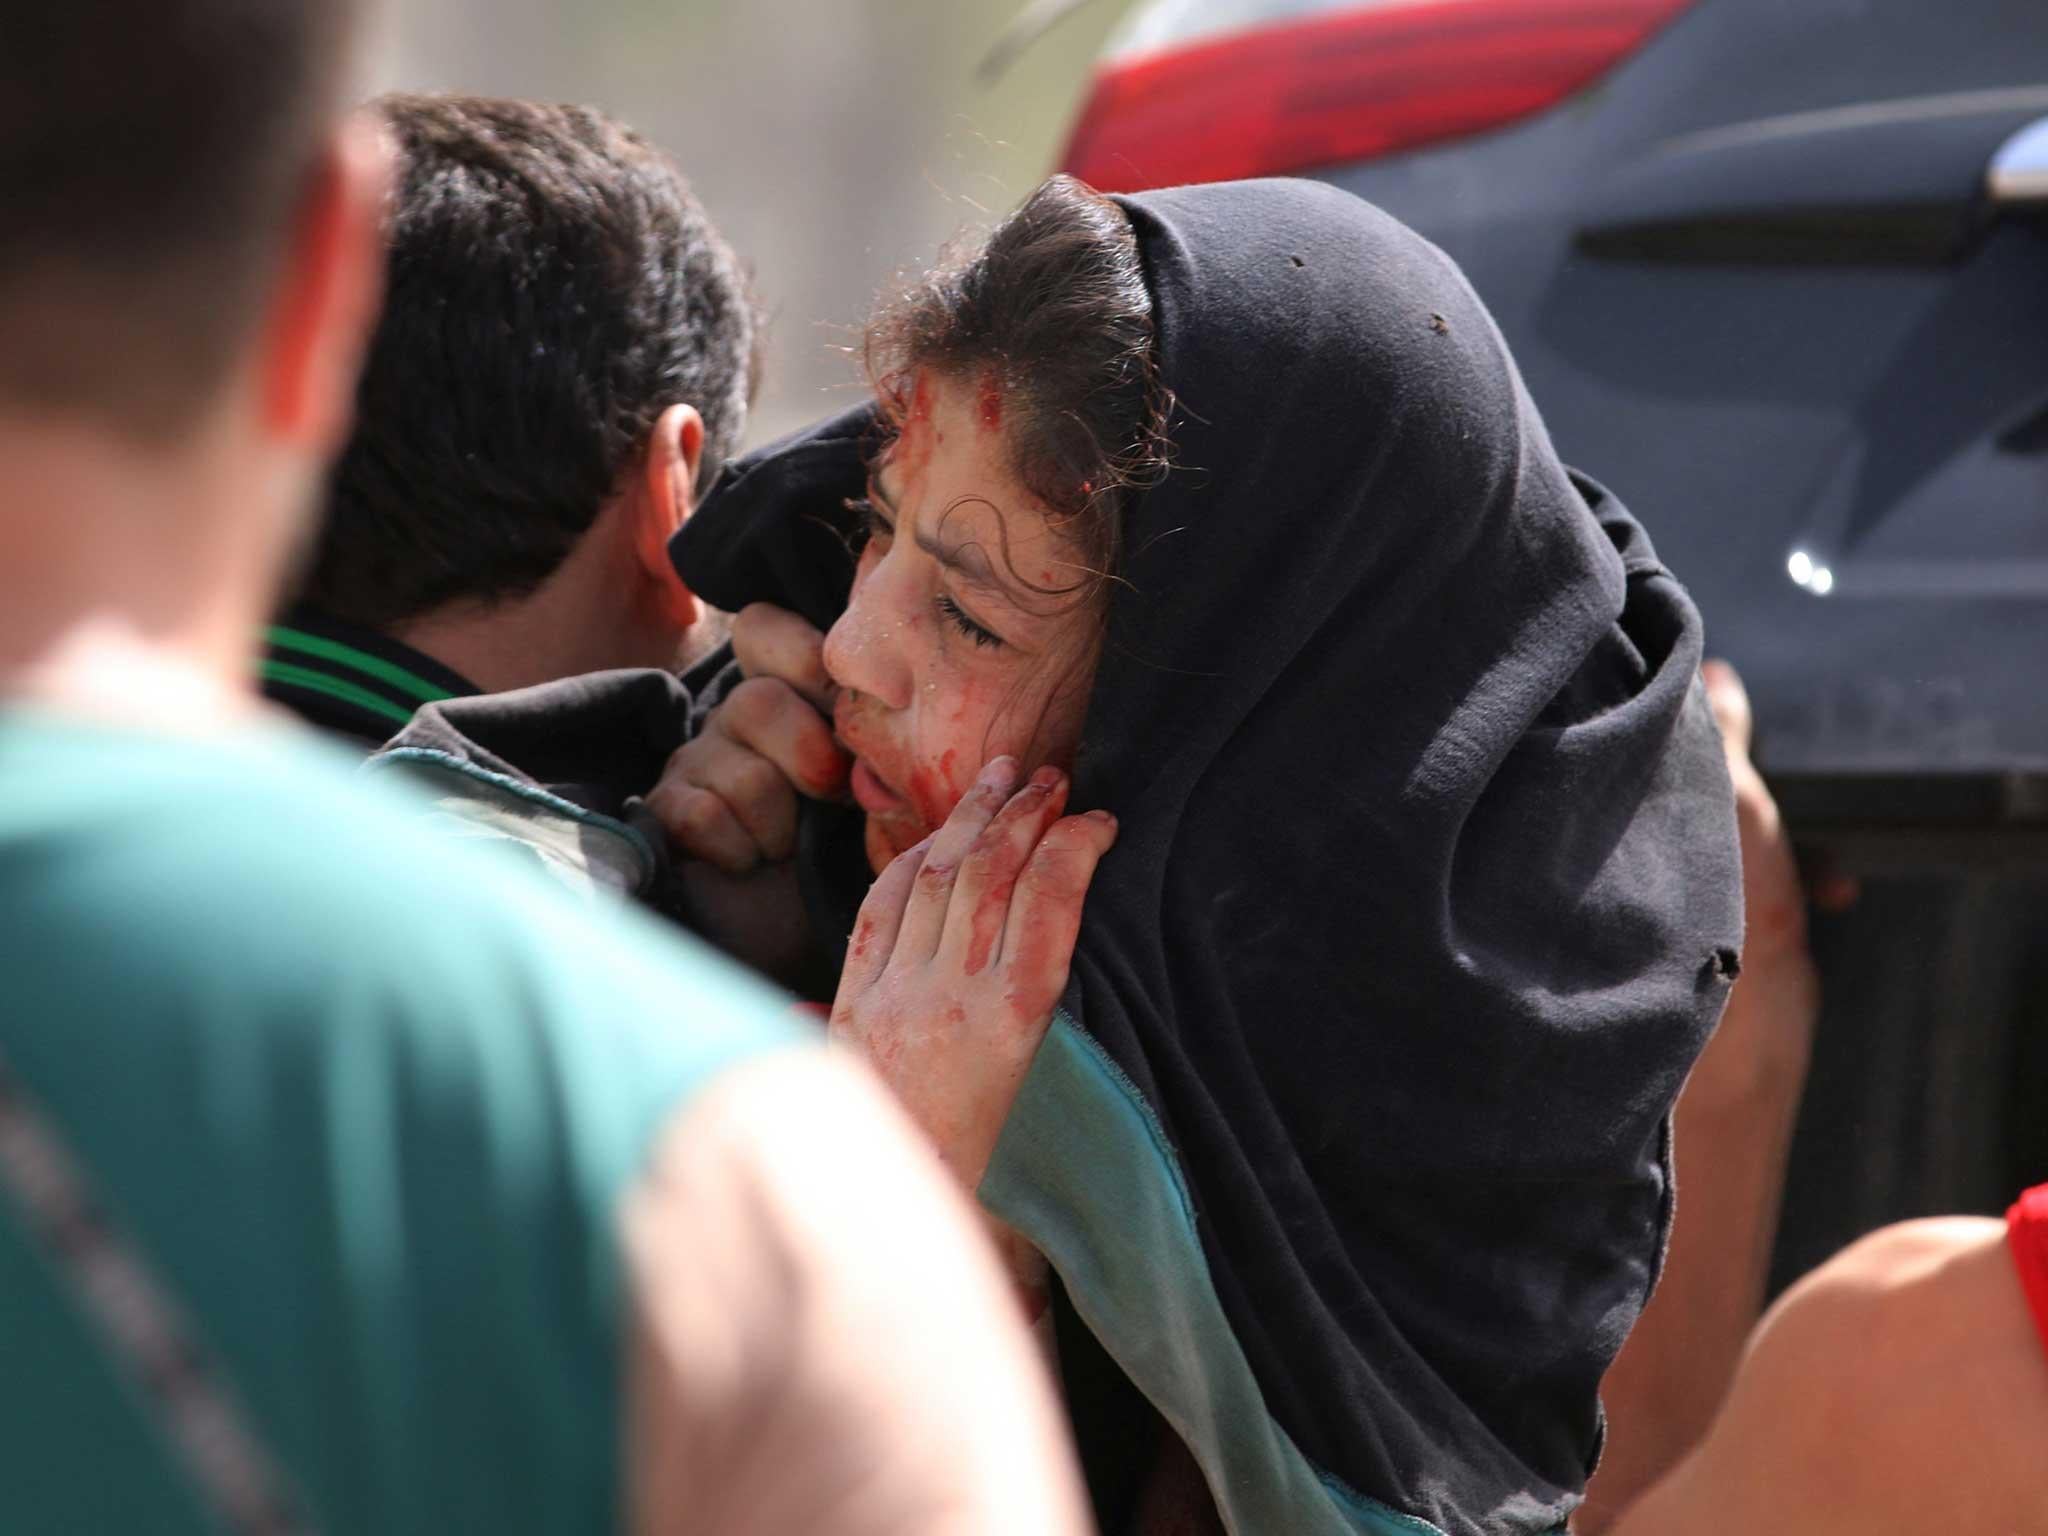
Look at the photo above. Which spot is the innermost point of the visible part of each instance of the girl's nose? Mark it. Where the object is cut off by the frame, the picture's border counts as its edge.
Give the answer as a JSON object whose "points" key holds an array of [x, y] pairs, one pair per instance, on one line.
{"points": [[864, 649]]}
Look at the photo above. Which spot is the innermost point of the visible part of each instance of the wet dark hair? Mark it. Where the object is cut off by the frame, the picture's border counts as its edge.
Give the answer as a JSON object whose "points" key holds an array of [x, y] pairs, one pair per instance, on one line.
{"points": [[153, 153], [553, 287], [1049, 317]]}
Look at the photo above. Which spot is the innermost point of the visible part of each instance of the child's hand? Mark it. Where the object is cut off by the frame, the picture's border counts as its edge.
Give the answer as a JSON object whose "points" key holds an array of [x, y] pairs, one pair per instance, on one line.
{"points": [[729, 796], [961, 952]]}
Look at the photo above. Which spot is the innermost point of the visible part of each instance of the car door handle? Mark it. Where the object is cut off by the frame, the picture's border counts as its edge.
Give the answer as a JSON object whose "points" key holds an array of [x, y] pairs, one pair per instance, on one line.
{"points": [[2018, 176]]}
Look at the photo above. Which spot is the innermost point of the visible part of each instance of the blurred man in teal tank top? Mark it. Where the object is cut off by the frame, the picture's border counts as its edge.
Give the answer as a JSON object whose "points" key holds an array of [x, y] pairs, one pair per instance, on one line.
{"points": [[347, 1182]]}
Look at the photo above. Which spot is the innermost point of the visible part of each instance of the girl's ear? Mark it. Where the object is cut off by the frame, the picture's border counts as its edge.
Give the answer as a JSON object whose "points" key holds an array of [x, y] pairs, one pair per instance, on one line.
{"points": [[668, 490]]}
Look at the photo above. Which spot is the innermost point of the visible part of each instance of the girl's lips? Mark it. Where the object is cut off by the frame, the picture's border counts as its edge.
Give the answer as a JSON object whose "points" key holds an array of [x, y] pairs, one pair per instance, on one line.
{"points": [[870, 793]]}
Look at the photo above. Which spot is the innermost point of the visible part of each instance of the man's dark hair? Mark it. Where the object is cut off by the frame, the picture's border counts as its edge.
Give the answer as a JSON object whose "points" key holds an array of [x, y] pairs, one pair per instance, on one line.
{"points": [[553, 287], [152, 153]]}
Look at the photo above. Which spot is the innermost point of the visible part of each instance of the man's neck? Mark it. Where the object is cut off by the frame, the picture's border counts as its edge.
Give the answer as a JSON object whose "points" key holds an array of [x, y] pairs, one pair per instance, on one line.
{"points": [[581, 619], [505, 647], [102, 669], [127, 597]]}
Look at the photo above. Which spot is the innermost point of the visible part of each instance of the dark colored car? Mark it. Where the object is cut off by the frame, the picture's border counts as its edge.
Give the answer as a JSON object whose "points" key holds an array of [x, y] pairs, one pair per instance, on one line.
{"points": [[1777, 272]]}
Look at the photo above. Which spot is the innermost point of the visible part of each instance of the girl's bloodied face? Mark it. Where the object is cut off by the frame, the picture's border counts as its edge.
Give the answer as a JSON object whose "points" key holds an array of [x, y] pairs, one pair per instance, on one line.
{"points": [[973, 628]]}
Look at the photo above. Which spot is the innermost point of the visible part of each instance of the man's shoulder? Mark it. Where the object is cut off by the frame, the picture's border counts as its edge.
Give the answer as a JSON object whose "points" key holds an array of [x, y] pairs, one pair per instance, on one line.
{"points": [[1897, 1386]]}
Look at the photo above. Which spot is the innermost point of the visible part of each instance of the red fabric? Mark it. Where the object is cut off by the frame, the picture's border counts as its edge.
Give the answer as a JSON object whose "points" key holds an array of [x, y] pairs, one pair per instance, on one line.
{"points": [[2026, 1233]]}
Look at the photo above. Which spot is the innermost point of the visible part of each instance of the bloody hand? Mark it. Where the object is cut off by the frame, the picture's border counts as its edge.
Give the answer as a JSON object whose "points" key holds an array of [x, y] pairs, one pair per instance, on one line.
{"points": [[961, 952], [729, 795]]}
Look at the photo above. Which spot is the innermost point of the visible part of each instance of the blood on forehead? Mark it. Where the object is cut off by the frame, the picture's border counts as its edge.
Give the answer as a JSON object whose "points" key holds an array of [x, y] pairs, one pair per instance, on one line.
{"points": [[909, 406], [905, 397], [911, 414]]}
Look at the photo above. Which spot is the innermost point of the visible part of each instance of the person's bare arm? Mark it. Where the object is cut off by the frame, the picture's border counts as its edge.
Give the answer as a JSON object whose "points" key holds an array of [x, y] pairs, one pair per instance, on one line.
{"points": [[1900, 1387], [1733, 1134], [823, 1342]]}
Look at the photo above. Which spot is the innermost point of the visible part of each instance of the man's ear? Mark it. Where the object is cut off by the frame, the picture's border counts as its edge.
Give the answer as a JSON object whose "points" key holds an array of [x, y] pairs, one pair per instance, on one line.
{"points": [[668, 494], [329, 293]]}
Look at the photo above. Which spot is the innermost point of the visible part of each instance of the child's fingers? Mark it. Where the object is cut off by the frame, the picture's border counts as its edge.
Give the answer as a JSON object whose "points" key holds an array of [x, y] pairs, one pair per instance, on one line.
{"points": [[768, 641], [1045, 911], [880, 921], [772, 719], [703, 826], [754, 789], [924, 917], [980, 907]]}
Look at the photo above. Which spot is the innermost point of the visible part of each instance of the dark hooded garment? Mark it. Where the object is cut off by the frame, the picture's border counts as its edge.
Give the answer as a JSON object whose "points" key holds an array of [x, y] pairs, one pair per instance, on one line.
{"points": [[1350, 1143]]}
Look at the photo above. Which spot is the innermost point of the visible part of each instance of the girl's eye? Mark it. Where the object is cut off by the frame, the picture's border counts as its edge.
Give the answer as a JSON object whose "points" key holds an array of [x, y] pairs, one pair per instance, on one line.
{"points": [[870, 526], [957, 617]]}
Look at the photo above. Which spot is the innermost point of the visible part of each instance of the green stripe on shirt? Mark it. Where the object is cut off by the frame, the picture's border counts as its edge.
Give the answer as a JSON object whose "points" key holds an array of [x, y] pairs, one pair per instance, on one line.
{"points": [[409, 683], [285, 673]]}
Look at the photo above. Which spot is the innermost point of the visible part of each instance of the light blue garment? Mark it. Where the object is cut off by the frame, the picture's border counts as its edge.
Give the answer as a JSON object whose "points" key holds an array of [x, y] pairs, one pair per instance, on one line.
{"points": [[1084, 1171]]}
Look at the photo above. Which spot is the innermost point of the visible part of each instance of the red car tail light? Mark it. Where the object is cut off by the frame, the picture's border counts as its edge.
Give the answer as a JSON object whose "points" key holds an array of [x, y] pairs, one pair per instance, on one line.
{"points": [[1345, 85]]}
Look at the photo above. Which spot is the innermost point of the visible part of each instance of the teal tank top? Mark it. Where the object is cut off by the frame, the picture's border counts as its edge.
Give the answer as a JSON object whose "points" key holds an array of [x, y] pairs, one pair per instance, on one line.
{"points": [[361, 1104]]}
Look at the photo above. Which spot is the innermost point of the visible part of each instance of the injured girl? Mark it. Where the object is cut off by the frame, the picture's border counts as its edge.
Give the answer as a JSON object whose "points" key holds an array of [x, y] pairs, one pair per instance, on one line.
{"points": [[1342, 1123]]}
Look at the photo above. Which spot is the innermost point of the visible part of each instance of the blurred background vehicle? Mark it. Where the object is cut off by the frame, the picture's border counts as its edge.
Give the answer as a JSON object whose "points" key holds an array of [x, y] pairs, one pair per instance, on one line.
{"points": [[1755, 262], [1777, 273]]}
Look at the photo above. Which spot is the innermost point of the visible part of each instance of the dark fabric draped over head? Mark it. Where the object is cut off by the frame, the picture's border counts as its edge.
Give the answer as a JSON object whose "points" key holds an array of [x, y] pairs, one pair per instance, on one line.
{"points": [[1426, 892]]}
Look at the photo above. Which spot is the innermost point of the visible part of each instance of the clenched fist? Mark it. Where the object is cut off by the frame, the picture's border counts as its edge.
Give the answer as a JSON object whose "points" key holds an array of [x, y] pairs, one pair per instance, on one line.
{"points": [[729, 796]]}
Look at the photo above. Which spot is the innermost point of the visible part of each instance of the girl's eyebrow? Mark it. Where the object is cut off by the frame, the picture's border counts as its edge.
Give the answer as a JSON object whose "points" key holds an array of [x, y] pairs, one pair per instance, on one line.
{"points": [[965, 558]]}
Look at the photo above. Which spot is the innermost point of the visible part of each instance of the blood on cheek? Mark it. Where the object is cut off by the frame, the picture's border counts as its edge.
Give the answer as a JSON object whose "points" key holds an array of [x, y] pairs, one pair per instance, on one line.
{"points": [[952, 740], [935, 788]]}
